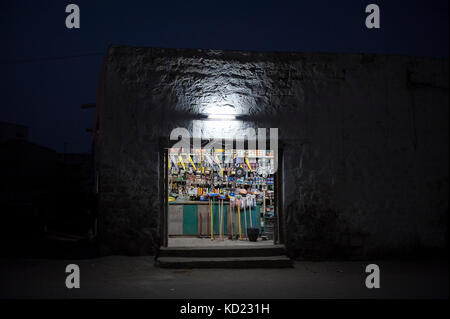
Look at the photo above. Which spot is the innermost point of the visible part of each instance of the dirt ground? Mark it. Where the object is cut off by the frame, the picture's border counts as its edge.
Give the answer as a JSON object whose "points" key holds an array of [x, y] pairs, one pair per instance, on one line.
{"points": [[137, 277]]}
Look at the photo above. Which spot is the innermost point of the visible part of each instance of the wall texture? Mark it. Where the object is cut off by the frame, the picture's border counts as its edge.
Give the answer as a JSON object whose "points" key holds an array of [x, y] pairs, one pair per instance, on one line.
{"points": [[365, 142]]}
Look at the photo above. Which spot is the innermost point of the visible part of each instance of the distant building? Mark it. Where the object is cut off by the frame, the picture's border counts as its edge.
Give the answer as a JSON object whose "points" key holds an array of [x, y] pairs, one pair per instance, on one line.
{"points": [[40, 188], [27, 187], [10, 131]]}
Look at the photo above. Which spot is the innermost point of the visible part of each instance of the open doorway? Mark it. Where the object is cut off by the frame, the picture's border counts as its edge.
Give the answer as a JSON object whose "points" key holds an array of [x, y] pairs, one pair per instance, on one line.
{"points": [[221, 197]]}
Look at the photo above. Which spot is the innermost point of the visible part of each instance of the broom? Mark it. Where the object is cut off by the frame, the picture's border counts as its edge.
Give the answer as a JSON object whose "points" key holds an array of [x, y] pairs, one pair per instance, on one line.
{"points": [[232, 203], [239, 219], [221, 218], [212, 219], [245, 217]]}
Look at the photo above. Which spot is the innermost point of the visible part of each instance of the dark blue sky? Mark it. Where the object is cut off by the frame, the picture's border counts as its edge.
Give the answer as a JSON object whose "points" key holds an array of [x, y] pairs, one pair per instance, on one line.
{"points": [[46, 94]]}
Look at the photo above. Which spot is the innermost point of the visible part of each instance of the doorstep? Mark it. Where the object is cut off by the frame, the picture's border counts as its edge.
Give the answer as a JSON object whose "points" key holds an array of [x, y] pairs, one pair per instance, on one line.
{"points": [[225, 262], [224, 257]]}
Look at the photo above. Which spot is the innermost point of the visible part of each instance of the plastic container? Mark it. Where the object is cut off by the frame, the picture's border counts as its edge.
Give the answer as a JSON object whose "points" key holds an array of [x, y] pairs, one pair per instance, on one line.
{"points": [[252, 233]]}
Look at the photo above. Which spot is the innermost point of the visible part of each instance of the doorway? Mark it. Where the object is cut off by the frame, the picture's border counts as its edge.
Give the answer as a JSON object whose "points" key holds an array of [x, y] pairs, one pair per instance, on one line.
{"points": [[220, 197]]}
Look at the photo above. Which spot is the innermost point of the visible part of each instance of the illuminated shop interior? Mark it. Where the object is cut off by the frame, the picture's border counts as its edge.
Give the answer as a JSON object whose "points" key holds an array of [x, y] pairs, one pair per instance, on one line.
{"points": [[221, 196]]}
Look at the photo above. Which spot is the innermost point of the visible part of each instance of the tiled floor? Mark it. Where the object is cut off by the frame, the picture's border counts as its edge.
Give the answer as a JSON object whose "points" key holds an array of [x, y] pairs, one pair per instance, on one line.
{"points": [[207, 242]]}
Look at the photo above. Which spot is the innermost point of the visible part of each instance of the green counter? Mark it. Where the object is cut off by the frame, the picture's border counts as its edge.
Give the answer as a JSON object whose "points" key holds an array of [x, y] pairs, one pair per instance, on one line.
{"points": [[184, 218]]}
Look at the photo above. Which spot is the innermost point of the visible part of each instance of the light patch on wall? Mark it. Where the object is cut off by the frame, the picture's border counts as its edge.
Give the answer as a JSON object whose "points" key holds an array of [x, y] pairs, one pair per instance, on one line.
{"points": [[221, 117], [223, 102], [216, 129], [219, 109]]}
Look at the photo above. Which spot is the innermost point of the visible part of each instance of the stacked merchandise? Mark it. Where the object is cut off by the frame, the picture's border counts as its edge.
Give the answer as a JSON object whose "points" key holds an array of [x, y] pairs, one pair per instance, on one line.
{"points": [[193, 175], [269, 216]]}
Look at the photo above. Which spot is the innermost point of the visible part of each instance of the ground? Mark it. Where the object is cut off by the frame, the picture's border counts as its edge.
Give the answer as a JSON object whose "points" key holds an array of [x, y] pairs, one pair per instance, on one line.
{"points": [[137, 277]]}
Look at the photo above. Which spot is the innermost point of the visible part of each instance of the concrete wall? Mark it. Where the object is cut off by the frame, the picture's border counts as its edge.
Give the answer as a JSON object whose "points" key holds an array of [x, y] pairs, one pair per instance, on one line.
{"points": [[365, 141]]}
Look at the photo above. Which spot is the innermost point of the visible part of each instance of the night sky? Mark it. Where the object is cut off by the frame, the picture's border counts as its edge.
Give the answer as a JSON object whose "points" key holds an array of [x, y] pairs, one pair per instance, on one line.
{"points": [[48, 71]]}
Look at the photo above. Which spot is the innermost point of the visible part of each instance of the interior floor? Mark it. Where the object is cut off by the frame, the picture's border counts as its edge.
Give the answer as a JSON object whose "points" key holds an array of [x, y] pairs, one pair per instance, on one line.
{"points": [[207, 242]]}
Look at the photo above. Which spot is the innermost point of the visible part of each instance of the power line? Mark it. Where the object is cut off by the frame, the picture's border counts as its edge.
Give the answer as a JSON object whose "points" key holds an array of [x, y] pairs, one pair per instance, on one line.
{"points": [[55, 58]]}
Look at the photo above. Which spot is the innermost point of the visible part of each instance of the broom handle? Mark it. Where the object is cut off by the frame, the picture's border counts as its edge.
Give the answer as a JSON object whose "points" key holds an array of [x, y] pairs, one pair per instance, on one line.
{"points": [[245, 219], [212, 220], [222, 228], [264, 211], [220, 218], [239, 218], [251, 216], [254, 214], [209, 216], [232, 222]]}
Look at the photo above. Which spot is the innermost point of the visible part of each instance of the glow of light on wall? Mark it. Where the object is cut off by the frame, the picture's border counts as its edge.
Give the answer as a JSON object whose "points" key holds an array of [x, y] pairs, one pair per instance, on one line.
{"points": [[216, 128], [223, 108], [223, 117]]}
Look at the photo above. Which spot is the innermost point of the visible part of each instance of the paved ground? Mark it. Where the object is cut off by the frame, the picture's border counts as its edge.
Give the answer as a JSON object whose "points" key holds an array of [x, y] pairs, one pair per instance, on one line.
{"points": [[136, 277], [207, 242]]}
